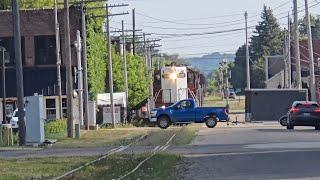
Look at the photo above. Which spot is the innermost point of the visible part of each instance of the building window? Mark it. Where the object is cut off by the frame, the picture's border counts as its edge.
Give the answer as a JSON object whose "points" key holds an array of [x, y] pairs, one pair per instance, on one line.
{"points": [[8, 44], [64, 107], [45, 50], [51, 109]]}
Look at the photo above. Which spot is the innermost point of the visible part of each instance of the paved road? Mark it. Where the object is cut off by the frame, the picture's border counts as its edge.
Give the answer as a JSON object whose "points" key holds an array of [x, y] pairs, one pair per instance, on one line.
{"points": [[252, 152]]}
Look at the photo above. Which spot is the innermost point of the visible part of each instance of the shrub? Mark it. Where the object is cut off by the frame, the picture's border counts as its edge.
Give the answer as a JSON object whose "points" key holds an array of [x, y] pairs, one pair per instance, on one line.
{"points": [[55, 126]]}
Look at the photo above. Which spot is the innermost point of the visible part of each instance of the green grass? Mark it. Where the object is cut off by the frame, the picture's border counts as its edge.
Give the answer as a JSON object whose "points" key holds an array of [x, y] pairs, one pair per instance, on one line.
{"points": [[186, 134], [159, 167], [235, 104], [124, 136], [101, 138], [39, 168]]}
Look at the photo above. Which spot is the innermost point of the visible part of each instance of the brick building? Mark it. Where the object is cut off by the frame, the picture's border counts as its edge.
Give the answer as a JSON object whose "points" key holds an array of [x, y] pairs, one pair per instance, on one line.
{"points": [[38, 54], [305, 62]]}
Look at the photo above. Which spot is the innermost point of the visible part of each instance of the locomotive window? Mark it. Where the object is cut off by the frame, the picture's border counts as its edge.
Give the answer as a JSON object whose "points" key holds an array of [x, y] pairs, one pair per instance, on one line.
{"points": [[190, 77], [165, 76], [181, 75]]}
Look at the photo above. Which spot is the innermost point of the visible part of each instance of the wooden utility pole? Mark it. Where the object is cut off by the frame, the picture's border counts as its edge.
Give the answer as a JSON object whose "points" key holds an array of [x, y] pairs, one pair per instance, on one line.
{"points": [[247, 52], [150, 62], [85, 68], [19, 71], [226, 68], [297, 45], [124, 60], [68, 70], [57, 32], [289, 53], [78, 47], [109, 46], [3, 68], [134, 31], [311, 58], [285, 58]]}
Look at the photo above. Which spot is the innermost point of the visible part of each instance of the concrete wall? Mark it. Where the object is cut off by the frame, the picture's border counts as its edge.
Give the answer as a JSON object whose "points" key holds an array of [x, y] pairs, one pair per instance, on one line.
{"points": [[275, 81]]}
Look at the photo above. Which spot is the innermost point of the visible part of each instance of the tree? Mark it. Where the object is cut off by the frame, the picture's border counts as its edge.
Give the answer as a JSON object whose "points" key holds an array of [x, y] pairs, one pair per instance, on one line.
{"points": [[238, 72], [5, 4], [213, 82], [268, 40], [138, 80], [315, 25], [96, 57]]}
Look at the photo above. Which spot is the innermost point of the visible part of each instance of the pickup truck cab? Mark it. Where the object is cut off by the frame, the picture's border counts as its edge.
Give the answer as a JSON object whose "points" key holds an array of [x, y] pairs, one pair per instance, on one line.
{"points": [[186, 111]]}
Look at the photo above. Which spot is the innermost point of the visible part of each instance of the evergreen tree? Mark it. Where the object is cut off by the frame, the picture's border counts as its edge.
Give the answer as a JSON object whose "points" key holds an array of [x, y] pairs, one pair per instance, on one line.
{"points": [[267, 41], [238, 72], [268, 38]]}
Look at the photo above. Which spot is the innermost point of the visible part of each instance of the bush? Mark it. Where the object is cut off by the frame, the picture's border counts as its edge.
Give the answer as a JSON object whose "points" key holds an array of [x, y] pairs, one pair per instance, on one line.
{"points": [[55, 126]]}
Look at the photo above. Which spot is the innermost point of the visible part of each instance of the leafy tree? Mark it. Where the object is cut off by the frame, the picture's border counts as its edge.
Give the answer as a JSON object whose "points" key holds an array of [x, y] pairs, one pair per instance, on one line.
{"points": [[5, 4], [138, 80], [37, 4], [315, 24], [213, 82], [96, 57]]}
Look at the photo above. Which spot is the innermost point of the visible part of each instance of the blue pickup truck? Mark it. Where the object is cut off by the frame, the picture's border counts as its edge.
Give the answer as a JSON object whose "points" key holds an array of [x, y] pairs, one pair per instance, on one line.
{"points": [[185, 112]]}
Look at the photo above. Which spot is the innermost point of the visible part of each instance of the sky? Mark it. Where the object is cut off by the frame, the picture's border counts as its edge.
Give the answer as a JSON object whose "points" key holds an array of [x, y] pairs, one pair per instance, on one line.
{"points": [[179, 22]]}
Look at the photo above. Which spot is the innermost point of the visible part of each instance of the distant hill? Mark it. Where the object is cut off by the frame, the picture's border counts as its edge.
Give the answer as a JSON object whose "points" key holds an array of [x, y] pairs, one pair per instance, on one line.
{"points": [[207, 63]]}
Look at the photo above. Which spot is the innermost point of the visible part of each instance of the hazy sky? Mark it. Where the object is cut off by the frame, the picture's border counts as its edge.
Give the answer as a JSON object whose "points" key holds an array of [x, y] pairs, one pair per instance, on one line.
{"points": [[188, 17]]}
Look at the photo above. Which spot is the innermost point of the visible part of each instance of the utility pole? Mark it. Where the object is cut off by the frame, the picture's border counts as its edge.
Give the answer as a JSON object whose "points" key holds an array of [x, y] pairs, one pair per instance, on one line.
{"points": [[151, 99], [297, 44], [3, 68], [57, 32], [110, 66], [134, 31], [247, 52], [85, 67], [222, 83], [68, 71], [289, 52], [124, 58], [285, 58], [311, 58], [19, 71], [145, 49], [225, 64], [109, 48], [80, 82], [147, 65]]}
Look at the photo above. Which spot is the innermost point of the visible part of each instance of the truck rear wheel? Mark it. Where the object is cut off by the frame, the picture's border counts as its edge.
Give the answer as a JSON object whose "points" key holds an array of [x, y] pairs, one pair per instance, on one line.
{"points": [[211, 122], [163, 122]]}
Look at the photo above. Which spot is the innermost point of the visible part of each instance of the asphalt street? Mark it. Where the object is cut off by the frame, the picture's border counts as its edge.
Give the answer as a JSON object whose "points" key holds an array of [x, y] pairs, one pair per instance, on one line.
{"points": [[253, 152]]}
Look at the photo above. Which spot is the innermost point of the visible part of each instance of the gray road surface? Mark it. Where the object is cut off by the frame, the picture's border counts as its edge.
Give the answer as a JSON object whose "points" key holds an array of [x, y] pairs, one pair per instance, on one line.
{"points": [[264, 152]]}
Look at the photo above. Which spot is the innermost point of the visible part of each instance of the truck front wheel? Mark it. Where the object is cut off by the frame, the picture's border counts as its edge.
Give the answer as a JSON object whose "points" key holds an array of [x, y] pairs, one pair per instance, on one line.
{"points": [[163, 122], [211, 122]]}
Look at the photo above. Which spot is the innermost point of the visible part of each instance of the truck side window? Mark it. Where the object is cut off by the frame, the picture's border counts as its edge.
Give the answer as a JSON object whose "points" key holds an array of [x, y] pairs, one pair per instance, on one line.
{"points": [[185, 104]]}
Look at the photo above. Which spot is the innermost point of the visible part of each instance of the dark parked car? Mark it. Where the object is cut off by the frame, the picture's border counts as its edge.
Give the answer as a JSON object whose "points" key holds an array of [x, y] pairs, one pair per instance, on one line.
{"points": [[303, 113]]}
